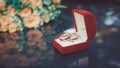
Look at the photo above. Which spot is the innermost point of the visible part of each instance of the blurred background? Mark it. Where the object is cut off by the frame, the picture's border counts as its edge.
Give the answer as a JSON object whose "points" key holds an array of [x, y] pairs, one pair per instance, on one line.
{"points": [[106, 44], [103, 51]]}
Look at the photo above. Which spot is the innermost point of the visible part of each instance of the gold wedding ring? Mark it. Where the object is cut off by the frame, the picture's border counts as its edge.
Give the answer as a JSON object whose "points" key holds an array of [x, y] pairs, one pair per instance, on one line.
{"points": [[68, 37], [74, 36], [64, 36]]}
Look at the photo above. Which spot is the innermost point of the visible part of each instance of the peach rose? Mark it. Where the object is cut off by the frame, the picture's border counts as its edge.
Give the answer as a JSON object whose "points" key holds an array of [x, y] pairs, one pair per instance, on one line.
{"points": [[46, 20], [25, 1], [12, 27], [26, 12], [56, 1], [4, 21], [2, 4], [11, 10], [3, 28], [37, 3], [32, 21]]}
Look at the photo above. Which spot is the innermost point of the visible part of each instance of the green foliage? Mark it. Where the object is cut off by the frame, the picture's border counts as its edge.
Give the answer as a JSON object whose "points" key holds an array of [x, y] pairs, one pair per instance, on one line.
{"points": [[16, 4], [7, 1]]}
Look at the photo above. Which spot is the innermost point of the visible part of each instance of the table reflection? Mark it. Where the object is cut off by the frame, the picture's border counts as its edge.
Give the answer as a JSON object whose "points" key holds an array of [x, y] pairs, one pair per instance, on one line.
{"points": [[31, 48]]}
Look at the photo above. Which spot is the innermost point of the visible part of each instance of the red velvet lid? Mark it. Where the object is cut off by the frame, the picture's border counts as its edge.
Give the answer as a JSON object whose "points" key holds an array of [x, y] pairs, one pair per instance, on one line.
{"points": [[90, 22]]}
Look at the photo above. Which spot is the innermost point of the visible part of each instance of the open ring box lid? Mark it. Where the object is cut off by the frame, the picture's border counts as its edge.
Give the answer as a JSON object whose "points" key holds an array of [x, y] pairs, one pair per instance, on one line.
{"points": [[85, 25]]}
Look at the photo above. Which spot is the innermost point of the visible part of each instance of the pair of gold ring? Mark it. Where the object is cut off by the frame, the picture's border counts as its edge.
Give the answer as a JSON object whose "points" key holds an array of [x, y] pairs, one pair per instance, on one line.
{"points": [[68, 37]]}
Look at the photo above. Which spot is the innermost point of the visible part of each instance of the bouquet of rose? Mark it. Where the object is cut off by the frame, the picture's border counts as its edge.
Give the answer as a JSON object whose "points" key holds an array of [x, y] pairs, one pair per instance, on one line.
{"points": [[19, 14]]}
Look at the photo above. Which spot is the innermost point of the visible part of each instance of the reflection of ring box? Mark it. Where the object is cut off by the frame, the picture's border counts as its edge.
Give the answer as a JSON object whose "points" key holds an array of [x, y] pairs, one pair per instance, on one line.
{"points": [[85, 25]]}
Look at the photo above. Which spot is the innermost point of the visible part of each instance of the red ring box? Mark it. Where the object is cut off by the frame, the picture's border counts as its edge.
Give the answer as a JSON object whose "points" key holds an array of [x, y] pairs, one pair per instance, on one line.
{"points": [[85, 25]]}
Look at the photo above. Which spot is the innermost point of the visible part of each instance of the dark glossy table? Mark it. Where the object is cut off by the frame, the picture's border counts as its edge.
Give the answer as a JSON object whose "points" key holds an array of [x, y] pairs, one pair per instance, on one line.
{"points": [[35, 47]]}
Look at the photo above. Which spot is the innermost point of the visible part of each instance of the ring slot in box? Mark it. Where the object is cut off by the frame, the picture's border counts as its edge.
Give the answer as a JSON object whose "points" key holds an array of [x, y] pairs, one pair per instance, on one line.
{"points": [[85, 25]]}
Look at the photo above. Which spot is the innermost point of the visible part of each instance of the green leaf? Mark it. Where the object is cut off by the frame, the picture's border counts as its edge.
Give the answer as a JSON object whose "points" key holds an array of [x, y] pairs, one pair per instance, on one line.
{"points": [[46, 2], [60, 6], [7, 1]]}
